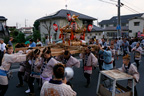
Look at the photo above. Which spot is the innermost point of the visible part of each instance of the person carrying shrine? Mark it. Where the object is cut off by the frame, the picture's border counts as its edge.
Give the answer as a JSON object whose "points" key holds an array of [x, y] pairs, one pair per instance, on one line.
{"points": [[130, 69], [89, 61]]}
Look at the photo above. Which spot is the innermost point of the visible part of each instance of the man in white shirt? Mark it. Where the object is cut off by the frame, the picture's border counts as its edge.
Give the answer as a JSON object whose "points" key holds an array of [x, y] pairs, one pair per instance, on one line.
{"points": [[2, 50]]}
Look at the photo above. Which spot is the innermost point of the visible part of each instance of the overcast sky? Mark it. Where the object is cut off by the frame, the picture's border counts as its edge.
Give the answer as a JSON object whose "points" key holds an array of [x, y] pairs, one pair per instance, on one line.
{"points": [[16, 11]]}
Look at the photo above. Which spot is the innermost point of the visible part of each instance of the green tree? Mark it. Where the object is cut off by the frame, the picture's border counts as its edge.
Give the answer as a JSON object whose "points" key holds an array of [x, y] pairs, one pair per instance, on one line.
{"points": [[20, 37], [36, 31], [14, 33]]}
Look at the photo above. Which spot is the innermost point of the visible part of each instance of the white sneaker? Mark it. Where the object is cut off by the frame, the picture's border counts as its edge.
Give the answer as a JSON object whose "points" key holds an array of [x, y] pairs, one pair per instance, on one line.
{"points": [[27, 91]]}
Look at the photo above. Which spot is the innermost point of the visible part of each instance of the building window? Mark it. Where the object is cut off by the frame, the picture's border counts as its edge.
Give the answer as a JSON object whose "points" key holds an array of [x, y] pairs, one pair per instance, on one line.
{"points": [[96, 34], [136, 23], [115, 25], [99, 33], [123, 24], [107, 25], [107, 34], [102, 26]]}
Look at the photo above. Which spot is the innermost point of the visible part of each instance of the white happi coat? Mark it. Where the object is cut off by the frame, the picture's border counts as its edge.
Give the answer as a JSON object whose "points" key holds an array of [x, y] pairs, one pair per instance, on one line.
{"points": [[92, 61], [48, 70], [35, 67], [49, 89], [139, 49], [72, 61], [132, 71], [8, 59]]}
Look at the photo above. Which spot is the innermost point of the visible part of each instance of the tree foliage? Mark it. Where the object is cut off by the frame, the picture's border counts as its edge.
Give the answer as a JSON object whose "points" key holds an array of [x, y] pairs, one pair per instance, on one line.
{"points": [[36, 31], [20, 37]]}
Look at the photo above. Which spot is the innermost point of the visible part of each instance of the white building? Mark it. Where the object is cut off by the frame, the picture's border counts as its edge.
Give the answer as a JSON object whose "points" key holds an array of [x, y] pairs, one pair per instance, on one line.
{"points": [[127, 25], [136, 25]]}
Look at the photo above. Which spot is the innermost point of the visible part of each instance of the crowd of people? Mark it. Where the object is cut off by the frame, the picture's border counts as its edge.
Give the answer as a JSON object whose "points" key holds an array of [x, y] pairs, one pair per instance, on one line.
{"points": [[48, 71]]}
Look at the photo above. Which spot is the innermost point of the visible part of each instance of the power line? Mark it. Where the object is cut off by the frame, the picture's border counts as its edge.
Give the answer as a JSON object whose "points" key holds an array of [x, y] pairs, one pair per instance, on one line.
{"points": [[108, 2], [133, 5], [113, 0], [130, 8]]}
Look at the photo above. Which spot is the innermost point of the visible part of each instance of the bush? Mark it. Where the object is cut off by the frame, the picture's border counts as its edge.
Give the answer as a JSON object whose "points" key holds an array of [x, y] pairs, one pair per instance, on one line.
{"points": [[20, 38], [6, 39]]}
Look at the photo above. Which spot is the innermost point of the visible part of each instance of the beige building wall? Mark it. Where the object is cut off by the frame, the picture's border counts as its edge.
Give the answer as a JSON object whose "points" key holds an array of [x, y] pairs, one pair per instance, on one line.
{"points": [[135, 29], [90, 35]]}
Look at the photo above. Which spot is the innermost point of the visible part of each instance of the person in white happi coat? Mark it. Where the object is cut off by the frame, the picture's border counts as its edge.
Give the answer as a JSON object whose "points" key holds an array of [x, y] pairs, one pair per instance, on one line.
{"points": [[137, 53], [89, 61], [57, 86], [8, 59], [69, 61], [48, 63], [22, 70], [35, 62], [130, 69]]}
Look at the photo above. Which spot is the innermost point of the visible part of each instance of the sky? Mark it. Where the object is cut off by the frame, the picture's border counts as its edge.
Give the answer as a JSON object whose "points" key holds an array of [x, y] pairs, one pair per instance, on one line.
{"points": [[19, 11]]}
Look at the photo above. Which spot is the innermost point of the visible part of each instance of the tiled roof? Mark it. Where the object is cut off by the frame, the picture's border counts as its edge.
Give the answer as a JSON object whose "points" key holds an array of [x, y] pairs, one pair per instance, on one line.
{"points": [[63, 14], [2, 18], [96, 29], [124, 19]]}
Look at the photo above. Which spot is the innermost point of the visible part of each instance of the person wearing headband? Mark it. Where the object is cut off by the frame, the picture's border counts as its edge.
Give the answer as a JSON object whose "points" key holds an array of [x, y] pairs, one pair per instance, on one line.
{"points": [[8, 59], [69, 61], [130, 69], [89, 61], [35, 62], [137, 54], [47, 65]]}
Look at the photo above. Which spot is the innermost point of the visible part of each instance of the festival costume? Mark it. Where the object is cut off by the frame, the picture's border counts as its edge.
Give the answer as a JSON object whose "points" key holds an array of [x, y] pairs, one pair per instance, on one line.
{"points": [[8, 59], [35, 72], [56, 88], [131, 70], [137, 55], [47, 69], [89, 61]]}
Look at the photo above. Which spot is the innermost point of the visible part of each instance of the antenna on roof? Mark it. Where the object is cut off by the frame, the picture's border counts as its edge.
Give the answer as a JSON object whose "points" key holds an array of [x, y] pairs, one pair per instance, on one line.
{"points": [[66, 4]]}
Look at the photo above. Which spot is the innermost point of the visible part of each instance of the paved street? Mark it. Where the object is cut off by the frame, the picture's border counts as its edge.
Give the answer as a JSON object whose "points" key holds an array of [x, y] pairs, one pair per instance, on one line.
{"points": [[78, 82]]}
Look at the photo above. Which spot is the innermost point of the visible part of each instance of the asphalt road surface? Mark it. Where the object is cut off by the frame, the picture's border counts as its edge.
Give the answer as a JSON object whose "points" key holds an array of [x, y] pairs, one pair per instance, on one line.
{"points": [[78, 81]]}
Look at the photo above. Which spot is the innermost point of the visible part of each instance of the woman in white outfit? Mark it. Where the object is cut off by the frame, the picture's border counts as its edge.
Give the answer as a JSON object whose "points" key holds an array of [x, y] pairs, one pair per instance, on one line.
{"points": [[8, 59]]}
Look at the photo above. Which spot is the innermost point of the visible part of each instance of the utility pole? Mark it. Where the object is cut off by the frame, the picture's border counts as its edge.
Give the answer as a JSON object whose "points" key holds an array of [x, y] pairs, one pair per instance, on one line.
{"points": [[26, 22], [119, 21]]}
